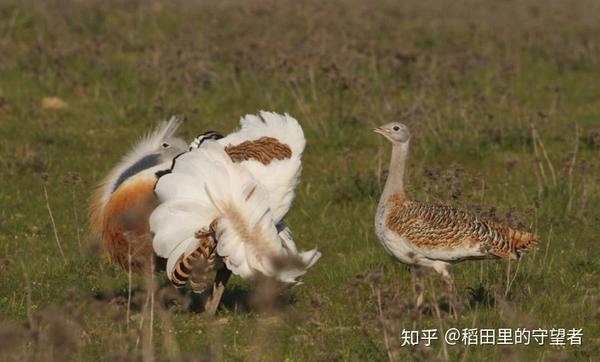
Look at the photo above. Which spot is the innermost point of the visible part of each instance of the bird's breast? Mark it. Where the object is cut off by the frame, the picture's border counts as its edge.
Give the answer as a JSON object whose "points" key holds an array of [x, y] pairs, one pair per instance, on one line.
{"points": [[125, 227]]}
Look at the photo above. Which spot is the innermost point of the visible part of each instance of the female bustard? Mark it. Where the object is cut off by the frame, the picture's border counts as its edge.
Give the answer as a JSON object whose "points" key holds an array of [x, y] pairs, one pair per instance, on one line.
{"points": [[435, 236]]}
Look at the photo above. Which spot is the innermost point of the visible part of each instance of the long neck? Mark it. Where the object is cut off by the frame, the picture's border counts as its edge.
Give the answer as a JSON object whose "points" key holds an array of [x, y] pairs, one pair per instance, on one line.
{"points": [[395, 181]]}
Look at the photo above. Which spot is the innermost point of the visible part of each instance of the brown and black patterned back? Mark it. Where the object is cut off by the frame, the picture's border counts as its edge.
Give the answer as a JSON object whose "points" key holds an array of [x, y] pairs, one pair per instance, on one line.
{"points": [[433, 226]]}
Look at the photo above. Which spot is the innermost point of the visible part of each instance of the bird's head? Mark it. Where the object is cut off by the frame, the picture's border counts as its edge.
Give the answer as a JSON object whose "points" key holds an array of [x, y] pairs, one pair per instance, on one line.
{"points": [[396, 132], [171, 147]]}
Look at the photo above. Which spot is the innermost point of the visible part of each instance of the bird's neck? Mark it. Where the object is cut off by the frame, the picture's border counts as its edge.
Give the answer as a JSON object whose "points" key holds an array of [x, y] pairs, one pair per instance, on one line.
{"points": [[395, 180]]}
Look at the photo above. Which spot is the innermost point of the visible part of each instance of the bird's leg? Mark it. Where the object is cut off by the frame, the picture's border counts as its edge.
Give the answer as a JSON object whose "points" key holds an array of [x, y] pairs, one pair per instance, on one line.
{"points": [[213, 301], [442, 268], [418, 285], [451, 293]]}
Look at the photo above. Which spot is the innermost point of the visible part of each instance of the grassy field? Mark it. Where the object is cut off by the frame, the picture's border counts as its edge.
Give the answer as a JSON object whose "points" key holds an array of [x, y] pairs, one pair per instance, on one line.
{"points": [[503, 100]]}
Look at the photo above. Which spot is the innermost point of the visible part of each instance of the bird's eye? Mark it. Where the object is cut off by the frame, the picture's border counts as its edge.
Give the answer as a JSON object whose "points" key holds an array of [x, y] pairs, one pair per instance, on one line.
{"points": [[396, 128], [165, 145]]}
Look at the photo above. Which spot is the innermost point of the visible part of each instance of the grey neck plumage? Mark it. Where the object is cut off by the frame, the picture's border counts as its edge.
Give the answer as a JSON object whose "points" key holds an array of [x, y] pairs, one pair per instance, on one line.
{"points": [[395, 180]]}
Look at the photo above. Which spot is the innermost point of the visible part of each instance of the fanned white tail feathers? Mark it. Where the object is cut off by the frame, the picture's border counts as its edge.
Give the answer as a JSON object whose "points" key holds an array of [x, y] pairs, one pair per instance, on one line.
{"points": [[280, 177], [284, 128], [244, 228], [294, 264], [204, 189]]}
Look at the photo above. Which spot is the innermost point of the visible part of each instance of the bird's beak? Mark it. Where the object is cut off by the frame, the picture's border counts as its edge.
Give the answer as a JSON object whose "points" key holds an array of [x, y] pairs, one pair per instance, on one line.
{"points": [[378, 130]]}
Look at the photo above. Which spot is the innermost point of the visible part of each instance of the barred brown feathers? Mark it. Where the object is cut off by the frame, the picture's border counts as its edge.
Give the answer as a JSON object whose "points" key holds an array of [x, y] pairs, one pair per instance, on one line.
{"points": [[433, 226], [264, 150], [204, 257], [435, 236]]}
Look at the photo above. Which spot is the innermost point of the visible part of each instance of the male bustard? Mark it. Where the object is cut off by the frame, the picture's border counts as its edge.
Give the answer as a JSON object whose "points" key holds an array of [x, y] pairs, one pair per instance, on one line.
{"points": [[435, 236], [222, 206], [124, 199]]}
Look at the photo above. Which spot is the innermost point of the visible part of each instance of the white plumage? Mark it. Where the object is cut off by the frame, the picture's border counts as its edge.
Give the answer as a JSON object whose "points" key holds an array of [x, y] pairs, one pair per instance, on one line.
{"points": [[278, 177], [239, 188]]}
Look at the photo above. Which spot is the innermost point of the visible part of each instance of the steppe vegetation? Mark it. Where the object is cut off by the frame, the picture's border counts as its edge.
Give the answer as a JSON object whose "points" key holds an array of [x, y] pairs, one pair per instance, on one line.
{"points": [[503, 100]]}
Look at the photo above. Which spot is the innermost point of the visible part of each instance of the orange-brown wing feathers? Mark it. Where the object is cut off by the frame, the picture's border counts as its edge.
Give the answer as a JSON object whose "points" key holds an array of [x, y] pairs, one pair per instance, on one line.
{"points": [[270, 146], [264, 150]]}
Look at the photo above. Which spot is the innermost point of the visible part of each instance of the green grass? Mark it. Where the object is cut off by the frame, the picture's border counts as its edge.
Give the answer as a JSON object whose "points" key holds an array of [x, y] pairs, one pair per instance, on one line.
{"points": [[468, 78]]}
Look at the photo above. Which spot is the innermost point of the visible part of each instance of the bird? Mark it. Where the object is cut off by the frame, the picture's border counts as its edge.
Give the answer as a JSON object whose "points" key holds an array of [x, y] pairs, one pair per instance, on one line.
{"points": [[270, 146], [435, 235], [122, 202], [208, 135], [223, 203]]}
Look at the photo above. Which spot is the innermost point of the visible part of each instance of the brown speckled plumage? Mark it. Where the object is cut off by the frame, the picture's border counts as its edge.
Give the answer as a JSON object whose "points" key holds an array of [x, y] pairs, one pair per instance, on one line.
{"points": [[264, 150], [435, 236], [431, 226]]}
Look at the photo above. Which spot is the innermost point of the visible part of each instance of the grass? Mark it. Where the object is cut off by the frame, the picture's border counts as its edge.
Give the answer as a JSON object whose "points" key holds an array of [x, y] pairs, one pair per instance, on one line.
{"points": [[474, 80]]}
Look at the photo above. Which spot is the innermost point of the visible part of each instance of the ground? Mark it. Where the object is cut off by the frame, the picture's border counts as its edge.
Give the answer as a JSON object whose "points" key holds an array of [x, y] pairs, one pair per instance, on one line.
{"points": [[503, 101]]}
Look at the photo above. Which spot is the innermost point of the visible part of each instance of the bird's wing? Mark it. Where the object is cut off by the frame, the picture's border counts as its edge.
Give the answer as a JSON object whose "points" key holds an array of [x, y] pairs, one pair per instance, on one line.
{"points": [[270, 146], [206, 194], [140, 158], [445, 233]]}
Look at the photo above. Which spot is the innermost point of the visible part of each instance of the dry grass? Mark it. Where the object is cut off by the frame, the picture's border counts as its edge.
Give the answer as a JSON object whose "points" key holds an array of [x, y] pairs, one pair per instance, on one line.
{"points": [[503, 102]]}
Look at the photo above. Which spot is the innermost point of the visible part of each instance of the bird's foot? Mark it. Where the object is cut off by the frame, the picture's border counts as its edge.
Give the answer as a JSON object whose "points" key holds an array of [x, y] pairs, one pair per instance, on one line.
{"points": [[218, 288], [420, 298]]}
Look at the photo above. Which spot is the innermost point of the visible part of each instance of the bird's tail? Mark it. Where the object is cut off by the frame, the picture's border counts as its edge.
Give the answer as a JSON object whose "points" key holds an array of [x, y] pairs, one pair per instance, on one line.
{"points": [[247, 237], [522, 241], [245, 233], [230, 202], [294, 264], [283, 128]]}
